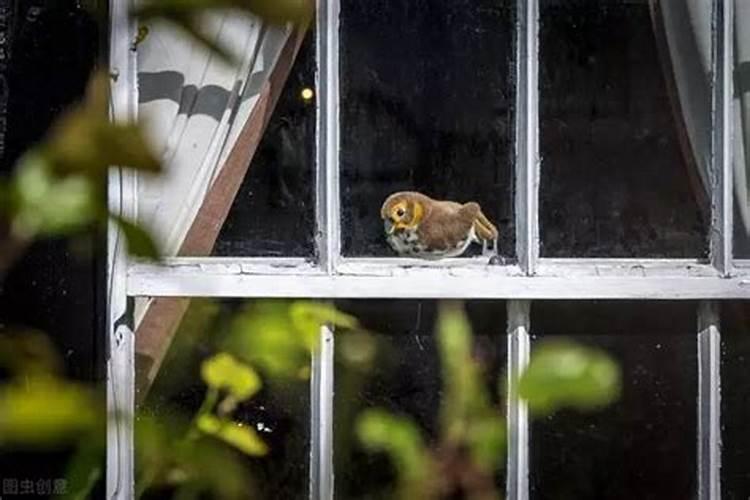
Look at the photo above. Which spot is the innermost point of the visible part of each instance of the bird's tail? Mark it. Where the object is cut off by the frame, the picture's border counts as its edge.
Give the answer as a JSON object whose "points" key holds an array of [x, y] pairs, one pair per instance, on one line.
{"points": [[484, 229]]}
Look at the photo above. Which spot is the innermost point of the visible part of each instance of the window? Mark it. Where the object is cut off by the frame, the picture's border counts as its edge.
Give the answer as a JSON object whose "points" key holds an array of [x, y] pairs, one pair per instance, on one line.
{"points": [[598, 136]]}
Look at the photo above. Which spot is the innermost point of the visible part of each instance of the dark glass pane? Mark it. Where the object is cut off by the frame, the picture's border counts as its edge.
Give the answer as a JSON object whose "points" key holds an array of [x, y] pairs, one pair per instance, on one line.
{"points": [[619, 176], [280, 412], [274, 211], [735, 395], [642, 446], [405, 378], [426, 105]]}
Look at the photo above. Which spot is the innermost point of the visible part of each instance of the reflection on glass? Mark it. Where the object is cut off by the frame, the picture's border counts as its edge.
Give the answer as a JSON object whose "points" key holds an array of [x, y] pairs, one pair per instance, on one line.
{"points": [[274, 211], [644, 445], [735, 395], [426, 105], [405, 378], [624, 128], [279, 413]]}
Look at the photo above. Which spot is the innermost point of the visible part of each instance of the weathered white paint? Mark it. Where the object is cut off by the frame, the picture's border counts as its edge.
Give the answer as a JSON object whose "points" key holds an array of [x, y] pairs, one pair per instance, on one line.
{"points": [[328, 213], [709, 401], [722, 142], [322, 418], [519, 349], [527, 135], [423, 282], [121, 341]]}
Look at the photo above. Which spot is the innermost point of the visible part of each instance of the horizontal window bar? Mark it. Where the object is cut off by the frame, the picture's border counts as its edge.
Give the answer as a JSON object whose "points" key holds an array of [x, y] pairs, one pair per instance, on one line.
{"points": [[147, 280]]}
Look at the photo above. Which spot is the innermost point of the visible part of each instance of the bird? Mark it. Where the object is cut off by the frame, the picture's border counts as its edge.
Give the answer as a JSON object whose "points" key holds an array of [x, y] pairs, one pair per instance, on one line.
{"points": [[419, 226]]}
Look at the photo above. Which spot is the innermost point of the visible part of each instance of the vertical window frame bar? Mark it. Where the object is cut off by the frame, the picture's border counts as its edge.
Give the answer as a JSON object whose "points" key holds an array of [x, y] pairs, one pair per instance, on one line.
{"points": [[519, 349], [121, 199], [327, 135], [527, 135], [321, 401], [709, 401], [721, 143]]}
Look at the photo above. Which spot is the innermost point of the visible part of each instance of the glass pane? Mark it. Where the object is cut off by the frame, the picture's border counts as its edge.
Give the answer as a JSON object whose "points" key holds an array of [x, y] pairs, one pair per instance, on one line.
{"points": [[197, 109], [274, 211], [279, 414], [735, 394], [624, 128], [426, 105], [405, 378], [642, 446], [741, 122]]}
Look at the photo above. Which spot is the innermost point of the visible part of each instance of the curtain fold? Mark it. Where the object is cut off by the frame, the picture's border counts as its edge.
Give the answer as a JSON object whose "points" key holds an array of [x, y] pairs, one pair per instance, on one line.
{"points": [[194, 104], [687, 28]]}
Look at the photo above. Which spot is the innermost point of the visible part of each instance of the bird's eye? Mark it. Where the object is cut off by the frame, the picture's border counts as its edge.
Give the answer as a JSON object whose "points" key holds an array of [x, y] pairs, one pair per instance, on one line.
{"points": [[400, 212]]}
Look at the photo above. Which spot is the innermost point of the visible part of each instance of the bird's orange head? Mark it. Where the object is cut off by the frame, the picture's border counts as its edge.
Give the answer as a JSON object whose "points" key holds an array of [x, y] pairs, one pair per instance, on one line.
{"points": [[402, 210]]}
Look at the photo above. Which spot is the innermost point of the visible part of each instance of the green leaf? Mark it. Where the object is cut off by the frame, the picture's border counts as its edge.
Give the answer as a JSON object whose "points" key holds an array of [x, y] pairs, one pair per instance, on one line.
{"points": [[465, 396], [264, 335], [399, 437], [563, 374], [308, 317], [44, 411], [224, 372], [85, 141], [487, 438], [139, 242], [241, 437], [45, 204]]}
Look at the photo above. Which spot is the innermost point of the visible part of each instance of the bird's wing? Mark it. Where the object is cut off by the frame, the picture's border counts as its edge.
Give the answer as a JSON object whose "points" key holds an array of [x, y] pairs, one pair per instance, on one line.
{"points": [[445, 225]]}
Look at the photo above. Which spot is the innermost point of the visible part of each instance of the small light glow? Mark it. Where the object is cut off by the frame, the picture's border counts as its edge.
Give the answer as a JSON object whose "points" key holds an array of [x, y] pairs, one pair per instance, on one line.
{"points": [[307, 93]]}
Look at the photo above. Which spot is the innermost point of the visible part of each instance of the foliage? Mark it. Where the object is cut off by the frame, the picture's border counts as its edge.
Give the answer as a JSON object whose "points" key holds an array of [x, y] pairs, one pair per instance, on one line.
{"points": [[57, 186], [562, 374], [470, 448]]}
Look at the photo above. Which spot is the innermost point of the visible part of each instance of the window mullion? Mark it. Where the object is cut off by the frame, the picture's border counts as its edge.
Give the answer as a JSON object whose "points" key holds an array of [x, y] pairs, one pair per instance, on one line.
{"points": [[122, 201], [709, 401], [327, 171], [527, 135], [519, 346], [721, 157], [321, 430]]}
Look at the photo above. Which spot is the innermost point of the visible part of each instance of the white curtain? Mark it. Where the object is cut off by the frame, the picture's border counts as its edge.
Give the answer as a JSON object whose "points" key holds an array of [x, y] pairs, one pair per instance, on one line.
{"points": [[194, 105], [687, 28]]}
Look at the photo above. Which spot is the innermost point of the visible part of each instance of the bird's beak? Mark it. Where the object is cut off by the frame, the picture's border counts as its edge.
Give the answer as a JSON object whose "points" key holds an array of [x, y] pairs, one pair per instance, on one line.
{"points": [[389, 227]]}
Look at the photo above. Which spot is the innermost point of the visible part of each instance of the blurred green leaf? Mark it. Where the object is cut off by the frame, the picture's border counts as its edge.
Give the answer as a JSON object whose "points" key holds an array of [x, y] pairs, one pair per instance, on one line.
{"points": [[224, 372], [44, 411], [85, 141], [308, 317], [263, 335], [280, 336], [165, 458], [241, 437], [28, 353], [562, 374], [399, 437], [139, 241], [465, 396], [44, 204], [486, 437]]}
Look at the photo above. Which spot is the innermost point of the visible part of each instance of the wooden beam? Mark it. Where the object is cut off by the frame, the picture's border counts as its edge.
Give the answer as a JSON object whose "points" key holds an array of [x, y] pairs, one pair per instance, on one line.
{"points": [[156, 330]]}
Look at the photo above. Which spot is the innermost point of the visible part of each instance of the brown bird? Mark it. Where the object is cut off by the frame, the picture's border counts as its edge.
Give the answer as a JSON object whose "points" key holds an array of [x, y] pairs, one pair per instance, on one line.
{"points": [[416, 225]]}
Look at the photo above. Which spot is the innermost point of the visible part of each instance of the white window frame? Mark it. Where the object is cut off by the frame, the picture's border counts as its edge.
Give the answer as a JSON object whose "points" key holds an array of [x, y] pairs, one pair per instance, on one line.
{"points": [[333, 276]]}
